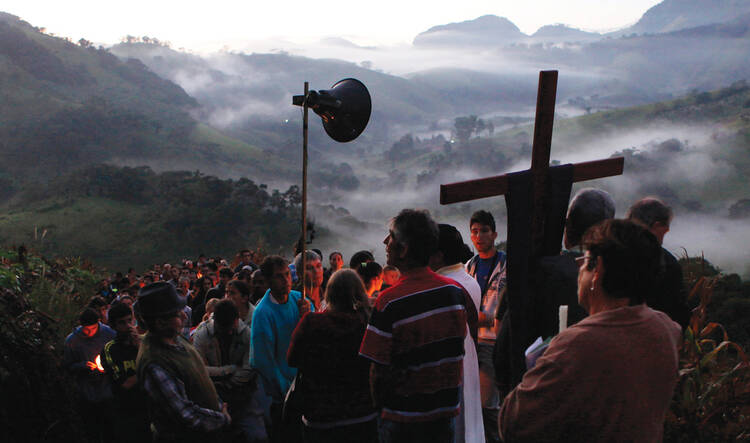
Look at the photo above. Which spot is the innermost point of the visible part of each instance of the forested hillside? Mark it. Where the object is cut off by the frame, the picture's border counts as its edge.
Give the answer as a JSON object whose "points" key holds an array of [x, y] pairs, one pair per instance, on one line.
{"points": [[123, 217], [64, 106]]}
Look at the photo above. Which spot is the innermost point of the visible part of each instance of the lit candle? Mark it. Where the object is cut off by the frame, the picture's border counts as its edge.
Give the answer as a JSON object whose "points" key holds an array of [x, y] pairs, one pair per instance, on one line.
{"points": [[563, 314], [98, 361]]}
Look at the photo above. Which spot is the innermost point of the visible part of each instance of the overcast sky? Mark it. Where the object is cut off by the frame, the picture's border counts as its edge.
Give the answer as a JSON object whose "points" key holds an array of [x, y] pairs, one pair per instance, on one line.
{"points": [[212, 24]]}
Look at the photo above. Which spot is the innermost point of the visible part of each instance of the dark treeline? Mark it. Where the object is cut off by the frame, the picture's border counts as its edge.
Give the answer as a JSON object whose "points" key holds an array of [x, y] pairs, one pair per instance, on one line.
{"points": [[180, 211]]}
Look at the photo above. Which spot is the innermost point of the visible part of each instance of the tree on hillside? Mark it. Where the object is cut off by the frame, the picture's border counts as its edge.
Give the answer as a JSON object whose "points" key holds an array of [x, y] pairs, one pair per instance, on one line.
{"points": [[464, 127], [400, 150]]}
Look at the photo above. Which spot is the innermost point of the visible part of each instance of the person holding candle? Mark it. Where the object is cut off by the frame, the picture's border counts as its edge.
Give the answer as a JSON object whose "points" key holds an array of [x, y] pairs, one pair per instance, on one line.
{"points": [[611, 376], [82, 357]]}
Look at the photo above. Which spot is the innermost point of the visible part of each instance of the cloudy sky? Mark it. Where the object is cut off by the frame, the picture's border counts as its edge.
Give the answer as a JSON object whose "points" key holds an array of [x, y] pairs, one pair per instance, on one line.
{"points": [[210, 25]]}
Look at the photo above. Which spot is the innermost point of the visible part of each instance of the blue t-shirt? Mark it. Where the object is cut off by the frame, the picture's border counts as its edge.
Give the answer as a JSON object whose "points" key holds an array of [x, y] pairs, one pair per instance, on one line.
{"points": [[484, 269], [271, 333]]}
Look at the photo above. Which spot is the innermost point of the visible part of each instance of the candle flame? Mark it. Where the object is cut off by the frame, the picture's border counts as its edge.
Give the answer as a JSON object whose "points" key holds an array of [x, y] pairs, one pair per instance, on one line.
{"points": [[98, 361]]}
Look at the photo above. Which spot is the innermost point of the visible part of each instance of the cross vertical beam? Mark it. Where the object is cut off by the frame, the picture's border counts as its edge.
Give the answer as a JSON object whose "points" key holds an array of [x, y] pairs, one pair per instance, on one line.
{"points": [[540, 153]]}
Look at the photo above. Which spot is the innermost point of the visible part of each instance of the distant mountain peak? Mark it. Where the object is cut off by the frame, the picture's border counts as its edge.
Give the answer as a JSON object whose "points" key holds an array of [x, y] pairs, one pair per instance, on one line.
{"points": [[563, 33], [487, 30], [673, 15]]}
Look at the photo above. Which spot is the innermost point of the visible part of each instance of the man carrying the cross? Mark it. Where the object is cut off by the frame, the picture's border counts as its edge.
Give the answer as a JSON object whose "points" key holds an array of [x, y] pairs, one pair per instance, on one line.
{"points": [[488, 268]]}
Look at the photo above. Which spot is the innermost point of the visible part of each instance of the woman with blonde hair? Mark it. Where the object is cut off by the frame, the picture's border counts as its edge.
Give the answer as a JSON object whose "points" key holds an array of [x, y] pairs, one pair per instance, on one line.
{"points": [[334, 381]]}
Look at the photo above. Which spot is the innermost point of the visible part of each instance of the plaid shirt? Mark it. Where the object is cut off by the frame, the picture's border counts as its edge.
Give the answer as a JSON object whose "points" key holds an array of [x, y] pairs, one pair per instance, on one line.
{"points": [[169, 393]]}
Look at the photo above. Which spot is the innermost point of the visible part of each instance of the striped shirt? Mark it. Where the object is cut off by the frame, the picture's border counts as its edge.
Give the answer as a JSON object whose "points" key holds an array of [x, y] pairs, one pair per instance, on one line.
{"points": [[417, 330]]}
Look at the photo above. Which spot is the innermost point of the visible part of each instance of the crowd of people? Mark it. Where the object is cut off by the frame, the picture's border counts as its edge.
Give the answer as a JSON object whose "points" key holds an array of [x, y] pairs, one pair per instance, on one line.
{"points": [[413, 351]]}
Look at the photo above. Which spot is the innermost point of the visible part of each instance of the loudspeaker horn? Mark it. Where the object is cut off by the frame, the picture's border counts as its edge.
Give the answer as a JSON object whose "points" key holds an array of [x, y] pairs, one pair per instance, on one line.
{"points": [[345, 108]]}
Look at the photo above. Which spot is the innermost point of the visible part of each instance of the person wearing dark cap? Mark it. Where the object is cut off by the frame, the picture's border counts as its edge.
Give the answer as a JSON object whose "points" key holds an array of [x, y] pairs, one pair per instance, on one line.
{"points": [[184, 404], [82, 357]]}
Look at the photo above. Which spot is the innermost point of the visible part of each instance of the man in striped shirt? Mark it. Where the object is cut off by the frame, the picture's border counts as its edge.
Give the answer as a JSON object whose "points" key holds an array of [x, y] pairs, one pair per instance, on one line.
{"points": [[415, 339]]}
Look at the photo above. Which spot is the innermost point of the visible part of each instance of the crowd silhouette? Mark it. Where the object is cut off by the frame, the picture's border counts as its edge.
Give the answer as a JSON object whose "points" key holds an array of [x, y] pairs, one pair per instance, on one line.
{"points": [[411, 350]]}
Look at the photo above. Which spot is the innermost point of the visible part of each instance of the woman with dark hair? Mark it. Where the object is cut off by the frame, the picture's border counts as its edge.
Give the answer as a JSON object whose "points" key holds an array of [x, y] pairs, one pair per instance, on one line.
{"points": [[609, 377], [333, 379], [371, 274], [239, 292]]}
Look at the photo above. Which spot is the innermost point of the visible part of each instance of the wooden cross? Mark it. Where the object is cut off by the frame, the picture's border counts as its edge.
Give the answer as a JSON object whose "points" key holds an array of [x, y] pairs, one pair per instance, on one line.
{"points": [[542, 234], [540, 156]]}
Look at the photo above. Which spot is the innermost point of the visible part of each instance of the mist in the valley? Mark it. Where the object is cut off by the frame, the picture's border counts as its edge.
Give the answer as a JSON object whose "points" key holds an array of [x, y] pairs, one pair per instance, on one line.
{"points": [[683, 165], [420, 88]]}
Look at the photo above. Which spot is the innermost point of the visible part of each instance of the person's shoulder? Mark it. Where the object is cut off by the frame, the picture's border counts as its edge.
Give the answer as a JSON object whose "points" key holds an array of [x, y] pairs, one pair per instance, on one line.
{"points": [[663, 319], [73, 335], [669, 259], [244, 329], [110, 346], [466, 281], [107, 332], [263, 303], [203, 330], [448, 280]]}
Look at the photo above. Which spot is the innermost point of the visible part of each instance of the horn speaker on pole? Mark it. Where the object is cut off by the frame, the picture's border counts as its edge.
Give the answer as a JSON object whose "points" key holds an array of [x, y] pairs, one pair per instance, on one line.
{"points": [[345, 110]]}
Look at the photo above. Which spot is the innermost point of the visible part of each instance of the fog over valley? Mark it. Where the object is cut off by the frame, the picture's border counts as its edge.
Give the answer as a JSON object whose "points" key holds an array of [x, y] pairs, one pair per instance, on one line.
{"points": [[456, 102]]}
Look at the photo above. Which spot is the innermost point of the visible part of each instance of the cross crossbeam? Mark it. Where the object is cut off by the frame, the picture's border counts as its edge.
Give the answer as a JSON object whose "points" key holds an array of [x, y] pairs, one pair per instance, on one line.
{"points": [[540, 168]]}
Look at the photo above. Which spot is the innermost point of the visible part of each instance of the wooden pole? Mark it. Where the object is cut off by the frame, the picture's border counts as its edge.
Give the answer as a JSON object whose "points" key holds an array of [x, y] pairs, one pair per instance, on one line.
{"points": [[304, 190]]}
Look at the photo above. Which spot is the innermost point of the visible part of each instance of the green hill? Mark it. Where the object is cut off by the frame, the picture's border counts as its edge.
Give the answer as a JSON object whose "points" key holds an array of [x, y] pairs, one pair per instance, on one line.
{"points": [[64, 106], [122, 217]]}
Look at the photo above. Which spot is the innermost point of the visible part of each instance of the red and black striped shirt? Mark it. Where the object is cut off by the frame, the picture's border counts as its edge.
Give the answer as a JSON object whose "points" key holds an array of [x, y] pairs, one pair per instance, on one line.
{"points": [[417, 329]]}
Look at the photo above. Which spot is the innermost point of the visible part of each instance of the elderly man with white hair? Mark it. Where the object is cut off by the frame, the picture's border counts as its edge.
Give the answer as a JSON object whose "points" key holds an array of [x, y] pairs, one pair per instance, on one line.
{"points": [[555, 279]]}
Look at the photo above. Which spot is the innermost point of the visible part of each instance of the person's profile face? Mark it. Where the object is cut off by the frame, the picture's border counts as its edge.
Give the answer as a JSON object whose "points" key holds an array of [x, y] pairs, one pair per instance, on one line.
{"points": [[393, 249]]}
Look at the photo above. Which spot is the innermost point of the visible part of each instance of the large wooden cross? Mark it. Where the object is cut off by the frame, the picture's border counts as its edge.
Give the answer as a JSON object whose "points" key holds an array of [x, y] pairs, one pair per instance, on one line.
{"points": [[535, 223], [540, 157]]}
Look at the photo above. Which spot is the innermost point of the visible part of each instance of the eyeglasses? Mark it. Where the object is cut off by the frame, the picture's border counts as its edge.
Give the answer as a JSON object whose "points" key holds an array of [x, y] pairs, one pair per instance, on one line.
{"points": [[591, 263]]}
